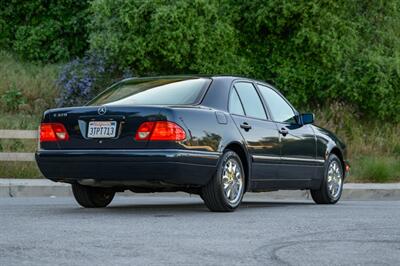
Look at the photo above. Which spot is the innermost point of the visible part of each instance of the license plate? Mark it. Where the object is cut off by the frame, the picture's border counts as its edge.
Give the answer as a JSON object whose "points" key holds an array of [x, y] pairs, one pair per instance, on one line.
{"points": [[102, 129]]}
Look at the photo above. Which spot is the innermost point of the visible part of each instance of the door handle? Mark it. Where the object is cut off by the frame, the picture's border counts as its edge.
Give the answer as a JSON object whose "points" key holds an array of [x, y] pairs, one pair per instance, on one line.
{"points": [[245, 126], [283, 131]]}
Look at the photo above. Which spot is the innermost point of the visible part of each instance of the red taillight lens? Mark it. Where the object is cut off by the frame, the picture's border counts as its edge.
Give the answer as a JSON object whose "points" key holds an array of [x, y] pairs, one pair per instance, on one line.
{"points": [[53, 132], [144, 131], [164, 130], [160, 131]]}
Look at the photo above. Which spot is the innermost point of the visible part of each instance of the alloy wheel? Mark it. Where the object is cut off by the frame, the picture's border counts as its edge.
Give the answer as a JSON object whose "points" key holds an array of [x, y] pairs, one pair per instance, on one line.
{"points": [[233, 181], [334, 179]]}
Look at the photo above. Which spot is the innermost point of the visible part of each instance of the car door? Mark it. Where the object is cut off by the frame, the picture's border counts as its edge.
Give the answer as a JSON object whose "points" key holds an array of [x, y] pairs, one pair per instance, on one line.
{"points": [[297, 142], [260, 134]]}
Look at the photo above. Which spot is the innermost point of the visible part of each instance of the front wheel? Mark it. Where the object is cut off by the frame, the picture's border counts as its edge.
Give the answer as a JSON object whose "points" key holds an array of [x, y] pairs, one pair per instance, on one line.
{"points": [[332, 184], [92, 197], [225, 190]]}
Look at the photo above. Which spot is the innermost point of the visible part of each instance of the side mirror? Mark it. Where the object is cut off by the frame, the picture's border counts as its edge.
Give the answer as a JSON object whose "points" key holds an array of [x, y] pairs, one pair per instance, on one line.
{"points": [[306, 118]]}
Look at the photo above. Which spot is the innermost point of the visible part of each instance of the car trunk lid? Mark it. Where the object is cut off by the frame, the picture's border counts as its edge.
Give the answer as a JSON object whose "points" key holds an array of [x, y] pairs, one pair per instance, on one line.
{"points": [[82, 122]]}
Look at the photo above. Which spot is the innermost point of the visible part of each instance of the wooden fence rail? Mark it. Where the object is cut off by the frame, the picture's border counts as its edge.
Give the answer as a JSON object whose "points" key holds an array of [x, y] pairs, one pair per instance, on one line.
{"points": [[17, 156]]}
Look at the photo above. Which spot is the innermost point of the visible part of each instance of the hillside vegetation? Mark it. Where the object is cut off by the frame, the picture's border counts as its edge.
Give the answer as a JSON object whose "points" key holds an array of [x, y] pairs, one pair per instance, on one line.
{"points": [[315, 52], [340, 59], [374, 146]]}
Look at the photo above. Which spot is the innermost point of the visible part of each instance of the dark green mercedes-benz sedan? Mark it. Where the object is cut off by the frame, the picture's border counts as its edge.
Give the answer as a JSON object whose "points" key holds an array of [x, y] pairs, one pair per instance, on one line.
{"points": [[216, 136]]}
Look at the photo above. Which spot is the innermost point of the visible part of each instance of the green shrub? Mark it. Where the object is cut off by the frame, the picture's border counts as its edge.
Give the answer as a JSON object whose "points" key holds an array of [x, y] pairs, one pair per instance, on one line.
{"points": [[166, 37], [41, 30], [314, 51], [12, 98], [396, 150], [3, 32], [319, 51], [82, 79]]}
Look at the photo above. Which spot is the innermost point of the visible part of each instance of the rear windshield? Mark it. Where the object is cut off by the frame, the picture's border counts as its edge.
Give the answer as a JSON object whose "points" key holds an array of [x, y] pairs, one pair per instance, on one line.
{"points": [[154, 92]]}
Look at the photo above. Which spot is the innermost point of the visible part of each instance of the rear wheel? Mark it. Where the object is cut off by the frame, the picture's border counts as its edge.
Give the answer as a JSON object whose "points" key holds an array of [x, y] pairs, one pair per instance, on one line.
{"points": [[332, 184], [225, 190], [92, 197]]}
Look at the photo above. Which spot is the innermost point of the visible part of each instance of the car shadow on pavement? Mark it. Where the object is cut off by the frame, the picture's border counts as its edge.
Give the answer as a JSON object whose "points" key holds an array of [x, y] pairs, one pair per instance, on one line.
{"points": [[267, 204], [179, 207], [201, 205]]}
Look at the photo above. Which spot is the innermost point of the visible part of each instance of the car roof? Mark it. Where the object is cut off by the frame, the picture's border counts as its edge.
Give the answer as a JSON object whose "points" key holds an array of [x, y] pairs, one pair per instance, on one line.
{"points": [[191, 76]]}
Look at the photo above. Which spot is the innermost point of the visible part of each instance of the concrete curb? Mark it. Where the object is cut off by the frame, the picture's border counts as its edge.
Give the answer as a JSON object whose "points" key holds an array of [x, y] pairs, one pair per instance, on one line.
{"points": [[47, 188], [33, 188]]}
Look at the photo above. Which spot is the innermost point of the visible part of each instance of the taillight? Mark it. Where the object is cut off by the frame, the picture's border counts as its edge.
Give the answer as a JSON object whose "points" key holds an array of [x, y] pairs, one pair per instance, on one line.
{"points": [[160, 131], [53, 132]]}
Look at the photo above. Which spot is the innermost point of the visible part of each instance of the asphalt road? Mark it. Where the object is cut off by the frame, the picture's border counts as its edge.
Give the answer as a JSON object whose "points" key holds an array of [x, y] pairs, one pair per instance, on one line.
{"points": [[179, 230]]}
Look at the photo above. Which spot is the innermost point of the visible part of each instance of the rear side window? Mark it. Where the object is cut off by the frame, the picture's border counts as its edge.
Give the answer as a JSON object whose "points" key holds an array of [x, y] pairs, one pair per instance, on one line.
{"points": [[235, 106], [251, 101], [154, 92]]}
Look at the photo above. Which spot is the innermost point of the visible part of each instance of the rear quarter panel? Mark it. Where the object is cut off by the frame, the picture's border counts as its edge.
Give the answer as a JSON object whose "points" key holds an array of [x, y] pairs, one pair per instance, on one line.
{"points": [[208, 129]]}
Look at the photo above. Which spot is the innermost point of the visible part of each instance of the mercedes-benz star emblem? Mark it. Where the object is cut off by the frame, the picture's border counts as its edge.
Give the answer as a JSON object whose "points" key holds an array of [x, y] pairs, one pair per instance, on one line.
{"points": [[102, 110]]}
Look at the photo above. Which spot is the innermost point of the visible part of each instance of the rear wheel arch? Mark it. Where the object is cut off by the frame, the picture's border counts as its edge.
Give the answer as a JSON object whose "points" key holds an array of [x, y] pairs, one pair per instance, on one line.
{"points": [[243, 155]]}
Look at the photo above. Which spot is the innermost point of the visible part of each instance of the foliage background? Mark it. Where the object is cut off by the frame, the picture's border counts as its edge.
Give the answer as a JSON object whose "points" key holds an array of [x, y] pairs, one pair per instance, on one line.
{"points": [[314, 51], [43, 30], [339, 58]]}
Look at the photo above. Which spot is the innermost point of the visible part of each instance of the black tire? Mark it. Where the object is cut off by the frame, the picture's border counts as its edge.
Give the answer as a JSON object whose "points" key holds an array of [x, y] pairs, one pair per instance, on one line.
{"points": [[322, 195], [213, 193], [92, 197]]}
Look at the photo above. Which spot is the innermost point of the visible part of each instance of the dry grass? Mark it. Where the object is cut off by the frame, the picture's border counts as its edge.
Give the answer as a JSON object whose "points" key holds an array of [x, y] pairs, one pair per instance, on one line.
{"points": [[18, 145], [36, 83], [373, 146], [19, 121], [375, 169], [363, 137], [19, 170]]}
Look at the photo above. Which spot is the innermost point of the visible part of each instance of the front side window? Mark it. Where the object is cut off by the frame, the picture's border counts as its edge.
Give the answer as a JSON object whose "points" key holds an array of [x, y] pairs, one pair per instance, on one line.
{"points": [[280, 109], [251, 101], [154, 91]]}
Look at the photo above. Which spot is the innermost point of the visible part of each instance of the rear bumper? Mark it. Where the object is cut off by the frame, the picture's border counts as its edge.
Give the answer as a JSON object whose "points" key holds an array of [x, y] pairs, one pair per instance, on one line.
{"points": [[179, 167]]}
